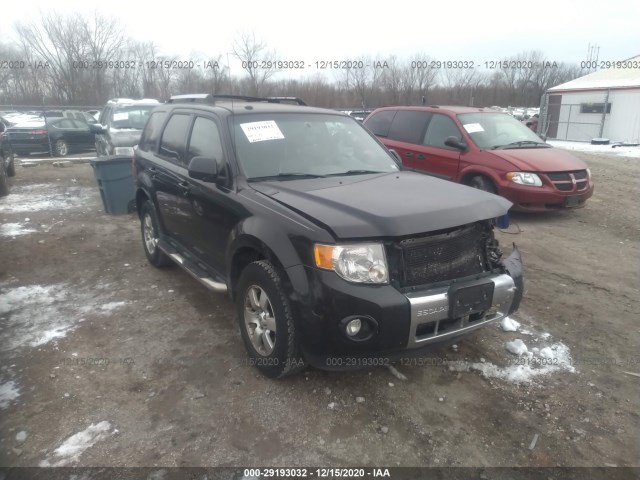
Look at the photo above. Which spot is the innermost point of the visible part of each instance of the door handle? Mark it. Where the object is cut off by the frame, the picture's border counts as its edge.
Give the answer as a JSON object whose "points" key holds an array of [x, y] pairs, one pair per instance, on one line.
{"points": [[408, 154], [420, 157], [185, 188]]}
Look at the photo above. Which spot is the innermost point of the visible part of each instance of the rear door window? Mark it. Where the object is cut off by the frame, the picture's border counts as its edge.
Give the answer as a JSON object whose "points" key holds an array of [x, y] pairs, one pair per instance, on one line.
{"points": [[440, 127], [172, 145], [380, 122], [151, 133], [408, 126]]}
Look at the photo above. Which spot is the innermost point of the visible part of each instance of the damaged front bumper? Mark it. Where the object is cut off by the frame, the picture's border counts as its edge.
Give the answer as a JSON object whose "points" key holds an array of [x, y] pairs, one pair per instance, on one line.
{"points": [[442, 313], [401, 324]]}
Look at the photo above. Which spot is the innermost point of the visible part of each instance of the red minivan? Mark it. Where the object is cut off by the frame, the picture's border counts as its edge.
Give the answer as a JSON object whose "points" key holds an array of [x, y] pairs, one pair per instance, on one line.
{"points": [[485, 149]]}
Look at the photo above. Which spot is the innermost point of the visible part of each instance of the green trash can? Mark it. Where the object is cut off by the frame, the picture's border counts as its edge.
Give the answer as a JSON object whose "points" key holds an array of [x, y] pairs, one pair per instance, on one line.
{"points": [[115, 180]]}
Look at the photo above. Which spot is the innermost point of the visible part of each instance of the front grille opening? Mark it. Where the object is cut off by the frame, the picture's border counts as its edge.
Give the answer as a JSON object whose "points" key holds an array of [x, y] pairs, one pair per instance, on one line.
{"points": [[445, 326], [443, 257], [564, 187], [559, 177], [426, 329]]}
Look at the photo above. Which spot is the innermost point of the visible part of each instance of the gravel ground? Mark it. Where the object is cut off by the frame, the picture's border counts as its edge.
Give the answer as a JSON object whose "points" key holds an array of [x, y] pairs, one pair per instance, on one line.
{"points": [[107, 361]]}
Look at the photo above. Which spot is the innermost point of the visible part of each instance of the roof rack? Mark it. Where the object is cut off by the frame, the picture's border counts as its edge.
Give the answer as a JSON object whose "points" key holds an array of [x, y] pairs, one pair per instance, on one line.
{"points": [[211, 99]]}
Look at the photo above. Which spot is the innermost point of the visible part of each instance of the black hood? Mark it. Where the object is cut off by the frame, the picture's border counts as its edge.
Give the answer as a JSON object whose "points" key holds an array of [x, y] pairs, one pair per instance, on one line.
{"points": [[385, 205]]}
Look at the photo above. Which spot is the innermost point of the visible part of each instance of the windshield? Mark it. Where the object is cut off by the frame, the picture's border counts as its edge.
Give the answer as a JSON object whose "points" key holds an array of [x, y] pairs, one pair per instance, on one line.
{"points": [[302, 144], [495, 130], [133, 116]]}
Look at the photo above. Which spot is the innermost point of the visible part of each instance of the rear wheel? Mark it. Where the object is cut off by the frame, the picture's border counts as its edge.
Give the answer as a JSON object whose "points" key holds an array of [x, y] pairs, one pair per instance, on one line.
{"points": [[482, 183], [266, 321], [60, 149], [150, 236]]}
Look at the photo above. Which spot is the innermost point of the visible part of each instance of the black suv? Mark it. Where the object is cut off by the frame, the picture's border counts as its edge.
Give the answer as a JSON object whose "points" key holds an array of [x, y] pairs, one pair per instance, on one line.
{"points": [[333, 255], [120, 125], [7, 161]]}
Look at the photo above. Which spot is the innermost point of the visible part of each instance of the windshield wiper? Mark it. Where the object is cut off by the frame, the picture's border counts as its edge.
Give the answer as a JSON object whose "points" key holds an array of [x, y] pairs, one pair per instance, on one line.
{"points": [[518, 144], [285, 176], [354, 172]]}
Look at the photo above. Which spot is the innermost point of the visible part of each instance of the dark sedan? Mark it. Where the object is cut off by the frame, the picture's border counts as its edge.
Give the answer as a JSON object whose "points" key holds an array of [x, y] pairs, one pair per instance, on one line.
{"points": [[59, 137]]}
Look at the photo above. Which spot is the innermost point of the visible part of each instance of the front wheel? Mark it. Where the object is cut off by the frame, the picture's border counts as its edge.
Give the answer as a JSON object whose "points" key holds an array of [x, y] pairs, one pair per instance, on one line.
{"points": [[266, 321], [482, 183], [150, 236]]}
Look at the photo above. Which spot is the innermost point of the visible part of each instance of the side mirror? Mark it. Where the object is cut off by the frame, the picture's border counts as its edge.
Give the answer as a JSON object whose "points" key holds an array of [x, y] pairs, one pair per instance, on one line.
{"points": [[395, 155], [203, 168], [453, 142], [97, 128]]}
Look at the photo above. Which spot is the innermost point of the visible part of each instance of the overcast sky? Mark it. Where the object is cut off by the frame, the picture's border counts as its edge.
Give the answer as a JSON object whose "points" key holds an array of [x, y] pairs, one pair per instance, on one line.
{"points": [[338, 30]]}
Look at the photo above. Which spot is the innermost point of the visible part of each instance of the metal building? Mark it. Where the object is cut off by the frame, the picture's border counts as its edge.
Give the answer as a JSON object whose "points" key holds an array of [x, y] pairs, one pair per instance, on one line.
{"points": [[602, 104]]}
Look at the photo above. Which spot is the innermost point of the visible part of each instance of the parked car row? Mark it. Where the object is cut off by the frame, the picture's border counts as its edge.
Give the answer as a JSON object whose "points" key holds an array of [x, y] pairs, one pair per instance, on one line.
{"points": [[54, 132]]}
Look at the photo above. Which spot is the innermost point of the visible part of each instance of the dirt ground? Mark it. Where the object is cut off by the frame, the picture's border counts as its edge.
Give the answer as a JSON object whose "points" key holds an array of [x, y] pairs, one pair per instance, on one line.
{"points": [[107, 361]]}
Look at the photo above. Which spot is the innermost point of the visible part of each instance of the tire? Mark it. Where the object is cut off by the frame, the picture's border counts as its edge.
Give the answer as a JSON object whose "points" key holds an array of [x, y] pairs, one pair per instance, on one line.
{"points": [[11, 169], [150, 234], [266, 321], [4, 180], [482, 183], [60, 148]]}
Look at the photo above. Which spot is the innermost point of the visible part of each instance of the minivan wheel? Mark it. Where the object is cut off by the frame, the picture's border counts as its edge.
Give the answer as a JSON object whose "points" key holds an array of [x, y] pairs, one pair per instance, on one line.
{"points": [[60, 149], [150, 236], [266, 321], [482, 183]]}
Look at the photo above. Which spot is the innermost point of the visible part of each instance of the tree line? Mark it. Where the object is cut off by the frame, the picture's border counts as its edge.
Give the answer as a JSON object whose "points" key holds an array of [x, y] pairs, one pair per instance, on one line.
{"points": [[85, 60]]}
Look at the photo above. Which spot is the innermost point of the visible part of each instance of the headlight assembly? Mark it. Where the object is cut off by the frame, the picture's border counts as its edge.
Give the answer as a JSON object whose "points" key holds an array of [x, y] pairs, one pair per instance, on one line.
{"points": [[525, 178], [359, 263]]}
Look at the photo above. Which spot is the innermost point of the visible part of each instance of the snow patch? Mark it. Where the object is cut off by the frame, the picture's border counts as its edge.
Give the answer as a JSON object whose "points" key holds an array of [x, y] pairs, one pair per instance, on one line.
{"points": [[35, 315], [587, 147], [9, 391], [35, 198], [544, 359], [517, 347], [14, 230], [109, 307], [524, 371], [77, 444], [509, 325]]}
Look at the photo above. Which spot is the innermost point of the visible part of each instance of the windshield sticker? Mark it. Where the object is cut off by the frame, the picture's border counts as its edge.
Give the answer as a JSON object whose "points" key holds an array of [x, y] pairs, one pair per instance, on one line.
{"points": [[473, 127], [261, 131], [120, 116]]}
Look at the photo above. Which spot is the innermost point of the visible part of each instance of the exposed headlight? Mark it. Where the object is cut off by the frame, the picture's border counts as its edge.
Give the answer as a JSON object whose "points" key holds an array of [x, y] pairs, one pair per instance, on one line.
{"points": [[360, 263], [123, 151], [524, 178]]}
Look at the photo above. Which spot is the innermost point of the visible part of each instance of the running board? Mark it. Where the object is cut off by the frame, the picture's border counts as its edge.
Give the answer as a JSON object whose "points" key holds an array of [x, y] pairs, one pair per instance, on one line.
{"points": [[193, 270]]}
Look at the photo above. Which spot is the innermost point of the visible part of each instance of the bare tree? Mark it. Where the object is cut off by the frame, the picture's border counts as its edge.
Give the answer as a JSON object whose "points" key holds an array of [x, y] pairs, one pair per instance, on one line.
{"points": [[258, 61], [420, 77], [104, 42]]}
